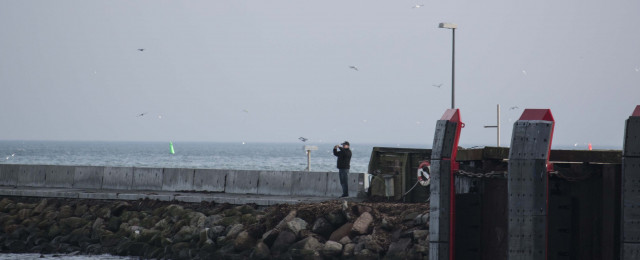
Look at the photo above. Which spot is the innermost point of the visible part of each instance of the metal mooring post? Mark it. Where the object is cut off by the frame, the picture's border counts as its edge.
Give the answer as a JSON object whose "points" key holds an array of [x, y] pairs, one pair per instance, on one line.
{"points": [[527, 185], [630, 224], [442, 201]]}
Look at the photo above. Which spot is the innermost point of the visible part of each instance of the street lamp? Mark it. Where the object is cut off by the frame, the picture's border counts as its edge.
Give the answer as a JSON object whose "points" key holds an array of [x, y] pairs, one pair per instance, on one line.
{"points": [[453, 56]]}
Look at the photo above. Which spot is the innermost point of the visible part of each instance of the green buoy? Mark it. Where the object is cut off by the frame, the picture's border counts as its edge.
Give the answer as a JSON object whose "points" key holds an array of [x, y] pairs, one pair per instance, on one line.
{"points": [[171, 145]]}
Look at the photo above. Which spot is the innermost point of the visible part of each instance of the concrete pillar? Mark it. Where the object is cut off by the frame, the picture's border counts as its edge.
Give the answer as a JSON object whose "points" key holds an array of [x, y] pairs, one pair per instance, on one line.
{"points": [[527, 185], [630, 224], [442, 188]]}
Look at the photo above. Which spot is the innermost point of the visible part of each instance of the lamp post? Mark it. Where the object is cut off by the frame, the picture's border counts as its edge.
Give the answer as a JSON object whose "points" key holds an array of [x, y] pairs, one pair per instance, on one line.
{"points": [[453, 59], [497, 126]]}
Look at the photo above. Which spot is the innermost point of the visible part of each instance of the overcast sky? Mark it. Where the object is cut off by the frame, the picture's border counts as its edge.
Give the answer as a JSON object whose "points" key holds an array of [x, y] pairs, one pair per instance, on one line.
{"points": [[272, 71]]}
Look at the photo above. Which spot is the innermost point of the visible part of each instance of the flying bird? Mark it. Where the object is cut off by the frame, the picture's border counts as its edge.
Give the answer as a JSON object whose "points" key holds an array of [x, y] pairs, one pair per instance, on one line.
{"points": [[142, 114], [354, 68], [514, 108], [302, 139], [140, 49], [416, 6], [437, 85]]}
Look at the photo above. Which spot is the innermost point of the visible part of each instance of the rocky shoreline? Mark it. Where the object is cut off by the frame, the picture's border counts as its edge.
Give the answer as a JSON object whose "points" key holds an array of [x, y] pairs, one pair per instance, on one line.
{"points": [[163, 230]]}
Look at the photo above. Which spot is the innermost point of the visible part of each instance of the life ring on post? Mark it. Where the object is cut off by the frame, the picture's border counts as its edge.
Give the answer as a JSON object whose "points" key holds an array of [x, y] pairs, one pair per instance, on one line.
{"points": [[424, 173]]}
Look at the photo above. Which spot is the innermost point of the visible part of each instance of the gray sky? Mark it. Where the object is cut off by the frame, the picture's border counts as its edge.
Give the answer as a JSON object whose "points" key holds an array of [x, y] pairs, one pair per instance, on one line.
{"points": [[271, 71]]}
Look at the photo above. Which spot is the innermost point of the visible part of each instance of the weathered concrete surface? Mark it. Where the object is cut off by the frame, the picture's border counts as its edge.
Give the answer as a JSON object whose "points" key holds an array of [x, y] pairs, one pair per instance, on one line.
{"points": [[275, 183], [177, 179], [242, 182], [310, 184], [119, 178], [31, 176], [100, 182], [209, 180], [237, 199], [147, 178], [9, 174], [89, 177], [59, 176]]}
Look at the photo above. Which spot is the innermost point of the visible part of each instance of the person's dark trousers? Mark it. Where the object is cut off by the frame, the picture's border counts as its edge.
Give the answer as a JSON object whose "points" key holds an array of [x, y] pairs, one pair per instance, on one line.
{"points": [[344, 181]]}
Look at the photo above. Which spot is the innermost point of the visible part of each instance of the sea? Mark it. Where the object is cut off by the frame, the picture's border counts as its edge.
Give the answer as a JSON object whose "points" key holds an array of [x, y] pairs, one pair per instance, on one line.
{"points": [[199, 155]]}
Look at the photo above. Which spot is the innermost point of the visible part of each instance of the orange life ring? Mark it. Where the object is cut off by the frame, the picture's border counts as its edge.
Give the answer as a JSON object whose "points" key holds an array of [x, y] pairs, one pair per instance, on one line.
{"points": [[424, 173]]}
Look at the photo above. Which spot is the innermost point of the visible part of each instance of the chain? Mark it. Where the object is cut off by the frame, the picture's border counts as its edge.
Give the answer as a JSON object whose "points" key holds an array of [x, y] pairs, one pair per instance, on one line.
{"points": [[491, 174], [503, 174]]}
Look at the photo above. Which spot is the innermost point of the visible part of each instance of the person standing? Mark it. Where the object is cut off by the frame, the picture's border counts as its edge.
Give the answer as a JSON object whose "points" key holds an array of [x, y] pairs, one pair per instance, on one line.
{"points": [[344, 162]]}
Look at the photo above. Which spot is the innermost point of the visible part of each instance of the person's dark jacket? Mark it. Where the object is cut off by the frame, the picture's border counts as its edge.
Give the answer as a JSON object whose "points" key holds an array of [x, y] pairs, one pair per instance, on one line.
{"points": [[344, 157]]}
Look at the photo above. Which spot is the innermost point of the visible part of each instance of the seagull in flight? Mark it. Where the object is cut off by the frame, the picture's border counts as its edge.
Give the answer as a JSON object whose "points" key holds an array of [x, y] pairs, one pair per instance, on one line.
{"points": [[354, 68], [302, 139], [437, 85], [141, 114], [416, 6], [514, 108], [140, 49]]}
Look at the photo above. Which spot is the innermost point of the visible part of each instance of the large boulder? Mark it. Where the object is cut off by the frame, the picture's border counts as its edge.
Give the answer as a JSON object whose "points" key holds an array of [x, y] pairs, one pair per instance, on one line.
{"points": [[185, 234], [322, 227], [283, 223], [341, 232], [367, 242], [398, 249], [282, 242], [331, 249], [65, 212], [215, 232], [261, 251], [336, 218], [243, 242], [68, 224], [270, 236], [234, 230], [296, 225], [347, 251], [308, 244], [361, 225]]}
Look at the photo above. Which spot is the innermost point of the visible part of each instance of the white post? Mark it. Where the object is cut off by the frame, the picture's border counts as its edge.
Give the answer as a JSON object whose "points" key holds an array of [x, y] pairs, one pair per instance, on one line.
{"points": [[498, 125], [308, 161], [308, 149]]}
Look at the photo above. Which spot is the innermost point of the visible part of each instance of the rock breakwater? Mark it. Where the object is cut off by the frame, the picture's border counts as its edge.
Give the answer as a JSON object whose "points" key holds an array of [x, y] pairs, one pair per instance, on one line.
{"points": [[163, 230]]}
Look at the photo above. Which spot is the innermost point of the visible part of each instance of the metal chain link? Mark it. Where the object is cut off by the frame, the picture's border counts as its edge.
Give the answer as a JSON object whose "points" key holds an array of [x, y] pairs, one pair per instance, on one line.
{"points": [[491, 174], [503, 174]]}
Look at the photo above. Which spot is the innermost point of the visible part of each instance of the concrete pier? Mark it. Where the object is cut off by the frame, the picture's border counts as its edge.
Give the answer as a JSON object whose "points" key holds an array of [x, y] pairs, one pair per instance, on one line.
{"points": [[183, 184]]}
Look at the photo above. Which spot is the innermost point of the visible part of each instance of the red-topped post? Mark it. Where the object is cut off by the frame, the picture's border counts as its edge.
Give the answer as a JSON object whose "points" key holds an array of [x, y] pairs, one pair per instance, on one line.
{"points": [[630, 197], [528, 196], [442, 198]]}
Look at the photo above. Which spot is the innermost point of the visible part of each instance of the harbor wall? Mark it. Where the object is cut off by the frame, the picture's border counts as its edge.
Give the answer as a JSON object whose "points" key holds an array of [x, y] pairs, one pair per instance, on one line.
{"points": [[281, 183]]}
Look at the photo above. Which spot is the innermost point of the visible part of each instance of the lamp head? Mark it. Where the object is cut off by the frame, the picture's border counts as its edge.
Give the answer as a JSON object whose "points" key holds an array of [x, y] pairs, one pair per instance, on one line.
{"points": [[448, 25]]}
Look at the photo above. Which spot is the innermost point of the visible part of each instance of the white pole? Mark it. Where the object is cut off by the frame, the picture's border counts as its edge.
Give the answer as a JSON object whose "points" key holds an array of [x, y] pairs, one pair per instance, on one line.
{"points": [[308, 161], [498, 125]]}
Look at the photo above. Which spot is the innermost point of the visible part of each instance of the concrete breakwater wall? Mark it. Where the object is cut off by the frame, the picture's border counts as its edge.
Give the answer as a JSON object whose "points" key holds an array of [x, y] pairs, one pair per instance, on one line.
{"points": [[282, 183]]}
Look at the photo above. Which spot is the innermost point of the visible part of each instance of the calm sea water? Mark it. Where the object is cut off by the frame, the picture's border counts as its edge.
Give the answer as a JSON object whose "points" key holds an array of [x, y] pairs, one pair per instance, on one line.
{"points": [[250, 156]]}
